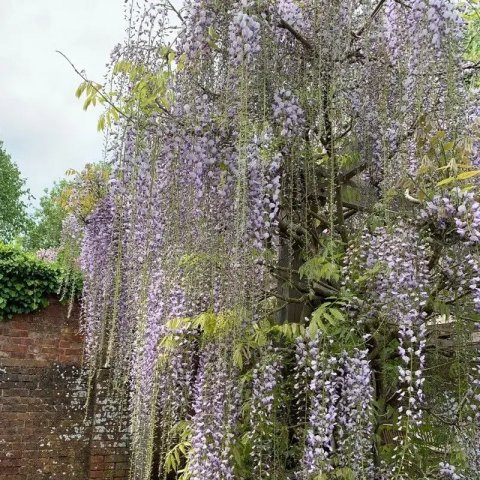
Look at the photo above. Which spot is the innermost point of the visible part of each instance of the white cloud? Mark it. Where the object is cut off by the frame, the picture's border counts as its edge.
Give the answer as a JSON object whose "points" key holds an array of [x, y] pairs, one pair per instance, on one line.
{"points": [[42, 124]]}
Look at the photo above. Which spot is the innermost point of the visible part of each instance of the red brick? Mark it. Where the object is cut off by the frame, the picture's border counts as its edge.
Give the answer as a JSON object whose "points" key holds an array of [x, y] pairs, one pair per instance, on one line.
{"points": [[36, 351]]}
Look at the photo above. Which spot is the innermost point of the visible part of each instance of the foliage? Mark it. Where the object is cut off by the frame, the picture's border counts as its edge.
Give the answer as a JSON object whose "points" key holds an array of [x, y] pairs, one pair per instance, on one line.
{"points": [[77, 195], [46, 229], [13, 215], [85, 190], [26, 283]]}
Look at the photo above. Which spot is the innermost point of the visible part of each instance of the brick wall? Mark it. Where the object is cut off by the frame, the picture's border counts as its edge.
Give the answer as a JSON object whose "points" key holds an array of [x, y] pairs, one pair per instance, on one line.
{"points": [[45, 431]]}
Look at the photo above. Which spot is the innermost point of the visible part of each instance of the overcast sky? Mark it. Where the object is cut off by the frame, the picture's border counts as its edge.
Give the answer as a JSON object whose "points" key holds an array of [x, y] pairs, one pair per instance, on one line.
{"points": [[42, 123]]}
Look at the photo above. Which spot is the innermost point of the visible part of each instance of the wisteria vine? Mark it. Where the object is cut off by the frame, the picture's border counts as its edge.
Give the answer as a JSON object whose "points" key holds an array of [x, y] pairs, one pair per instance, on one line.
{"points": [[292, 213]]}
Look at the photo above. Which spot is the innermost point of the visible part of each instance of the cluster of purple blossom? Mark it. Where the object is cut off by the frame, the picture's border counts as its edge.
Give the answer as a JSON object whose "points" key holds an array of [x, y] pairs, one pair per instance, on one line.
{"points": [[244, 36], [354, 415], [471, 262], [266, 379], [321, 411], [339, 409], [194, 40], [287, 113], [291, 13], [263, 191], [392, 25], [143, 391], [442, 18], [459, 210], [47, 254], [461, 270], [434, 26], [400, 279], [215, 407], [96, 262], [72, 230], [448, 472]]}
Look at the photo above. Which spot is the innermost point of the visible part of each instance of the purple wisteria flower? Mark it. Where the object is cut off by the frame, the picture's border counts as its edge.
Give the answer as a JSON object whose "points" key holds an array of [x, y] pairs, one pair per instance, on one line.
{"points": [[213, 423], [287, 113], [339, 409], [244, 36], [267, 376]]}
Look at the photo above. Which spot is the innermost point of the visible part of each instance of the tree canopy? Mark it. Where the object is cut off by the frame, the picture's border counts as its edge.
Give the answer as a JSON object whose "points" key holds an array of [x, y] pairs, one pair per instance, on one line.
{"points": [[284, 277], [13, 213], [76, 195], [46, 228]]}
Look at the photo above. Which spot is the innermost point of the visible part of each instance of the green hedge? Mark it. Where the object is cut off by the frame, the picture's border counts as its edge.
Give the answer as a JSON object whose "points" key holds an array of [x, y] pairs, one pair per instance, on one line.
{"points": [[25, 282]]}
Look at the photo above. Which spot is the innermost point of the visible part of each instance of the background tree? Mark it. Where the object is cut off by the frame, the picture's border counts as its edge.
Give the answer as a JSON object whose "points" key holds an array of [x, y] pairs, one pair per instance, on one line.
{"points": [[13, 213], [46, 229], [77, 195]]}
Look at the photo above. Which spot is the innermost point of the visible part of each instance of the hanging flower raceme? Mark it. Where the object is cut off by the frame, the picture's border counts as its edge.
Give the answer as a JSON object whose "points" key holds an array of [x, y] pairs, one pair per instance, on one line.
{"points": [[322, 412], [244, 36], [145, 386], [458, 209], [194, 41], [400, 283], [287, 113], [290, 12], [267, 376], [213, 423], [447, 472], [339, 398], [47, 254], [97, 259], [354, 417]]}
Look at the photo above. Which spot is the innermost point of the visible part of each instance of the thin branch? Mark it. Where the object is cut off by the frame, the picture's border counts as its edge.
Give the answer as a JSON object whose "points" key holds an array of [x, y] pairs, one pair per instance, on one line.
{"points": [[177, 12], [354, 206], [318, 216], [295, 231], [403, 4], [350, 213], [287, 300], [349, 174], [324, 290], [104, 97], [371, 18], [161, 107], [345, 132], [283, 24]]}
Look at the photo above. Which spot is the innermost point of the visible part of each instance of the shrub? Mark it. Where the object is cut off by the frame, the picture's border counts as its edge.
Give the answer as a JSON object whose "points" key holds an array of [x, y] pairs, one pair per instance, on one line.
{"points": [[25, 282]]}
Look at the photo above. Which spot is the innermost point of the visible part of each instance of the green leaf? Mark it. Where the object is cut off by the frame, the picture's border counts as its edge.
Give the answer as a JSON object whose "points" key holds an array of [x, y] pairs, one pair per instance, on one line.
{"points": [[101, 123], [469, 174], [446, 181], [238, 357], [80, 89]]}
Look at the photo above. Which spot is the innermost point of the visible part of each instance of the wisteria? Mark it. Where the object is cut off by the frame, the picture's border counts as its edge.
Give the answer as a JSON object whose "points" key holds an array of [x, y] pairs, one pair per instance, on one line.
{"points": [[264, 402], [287, 114], [447, 471], [458, 210], [322, 413], [339, 404], [400, 293], [355, 413], [244, 38], [215, 409], [284, 273], [47, 254]]}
